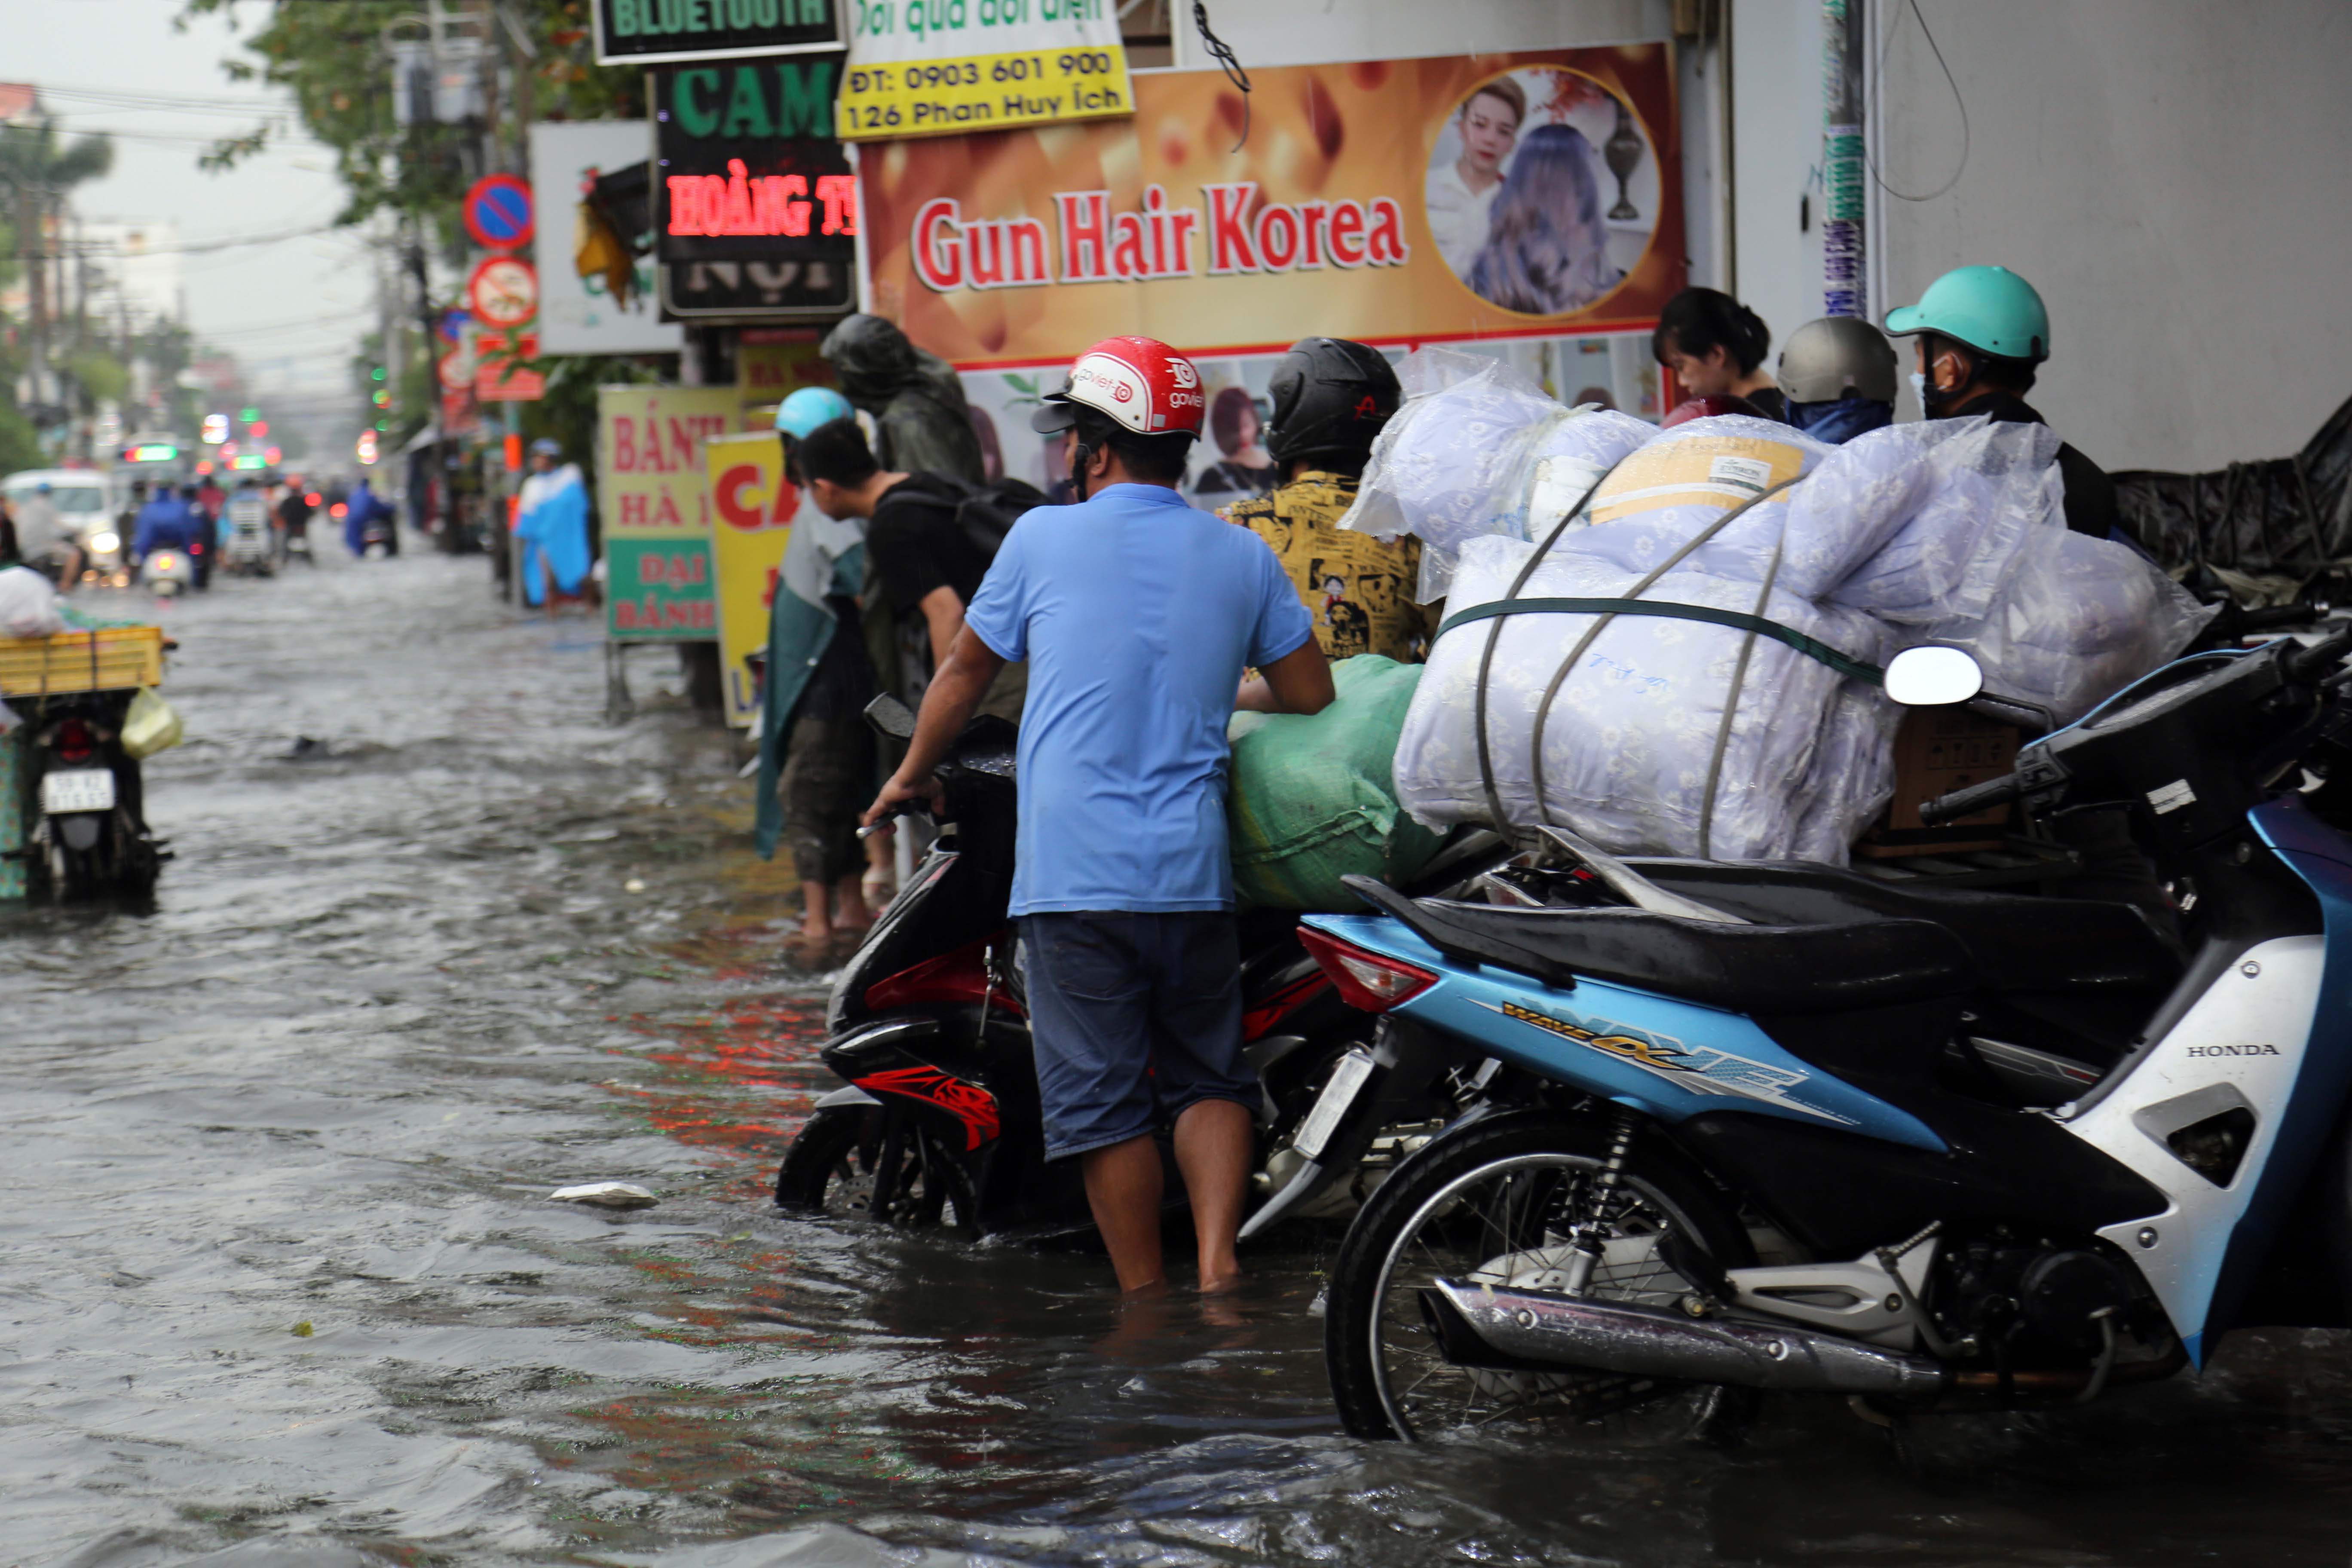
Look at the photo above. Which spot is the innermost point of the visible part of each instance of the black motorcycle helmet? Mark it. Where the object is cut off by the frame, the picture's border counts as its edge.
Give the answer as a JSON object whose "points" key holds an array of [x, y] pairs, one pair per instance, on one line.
{"points": [[1330, 398]]}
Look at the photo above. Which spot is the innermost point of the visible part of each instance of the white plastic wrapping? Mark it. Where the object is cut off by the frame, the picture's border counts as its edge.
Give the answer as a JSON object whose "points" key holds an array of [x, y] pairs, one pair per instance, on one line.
{"points": [[28, 606], [1630, 737], [2074, 620], [1475, 445]]}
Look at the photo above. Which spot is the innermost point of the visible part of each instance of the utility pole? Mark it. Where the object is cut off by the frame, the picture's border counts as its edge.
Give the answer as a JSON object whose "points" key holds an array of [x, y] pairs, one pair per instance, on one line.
{"points": [[1845, 273]]}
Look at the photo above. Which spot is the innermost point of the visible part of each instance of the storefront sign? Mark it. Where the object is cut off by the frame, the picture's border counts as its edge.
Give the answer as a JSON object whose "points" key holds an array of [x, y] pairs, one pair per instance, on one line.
{"points": [[936, 68], [748, 174], [773, 363], [1392, 201], [654, 497], [751, 507], [502, 372], [641, 32], [581, 315]]}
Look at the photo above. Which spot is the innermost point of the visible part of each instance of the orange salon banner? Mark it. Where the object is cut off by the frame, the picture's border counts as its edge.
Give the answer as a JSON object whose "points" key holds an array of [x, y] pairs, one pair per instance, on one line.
{"points": [[1389, 201]]}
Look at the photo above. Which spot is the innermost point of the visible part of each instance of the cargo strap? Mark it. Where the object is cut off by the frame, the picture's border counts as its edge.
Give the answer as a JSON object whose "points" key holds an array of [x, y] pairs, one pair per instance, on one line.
{"points": [[1845, 664]]}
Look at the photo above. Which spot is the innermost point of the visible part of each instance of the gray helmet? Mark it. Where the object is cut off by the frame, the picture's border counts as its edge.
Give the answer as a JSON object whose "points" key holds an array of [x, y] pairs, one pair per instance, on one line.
{"points": [[1822, 360]]}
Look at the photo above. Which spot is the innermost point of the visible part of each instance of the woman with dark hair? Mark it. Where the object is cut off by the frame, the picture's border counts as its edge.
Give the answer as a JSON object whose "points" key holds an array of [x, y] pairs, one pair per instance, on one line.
{"points": [[1546, 251], [1716, 347], [1247, 470]]}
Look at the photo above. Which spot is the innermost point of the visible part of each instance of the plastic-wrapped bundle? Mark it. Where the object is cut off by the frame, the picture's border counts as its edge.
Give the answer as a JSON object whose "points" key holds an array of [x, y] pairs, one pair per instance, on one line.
{"points": [[1682, 482], [1630, 741], [1920, 522], [2075, 621], [1472, 446]]}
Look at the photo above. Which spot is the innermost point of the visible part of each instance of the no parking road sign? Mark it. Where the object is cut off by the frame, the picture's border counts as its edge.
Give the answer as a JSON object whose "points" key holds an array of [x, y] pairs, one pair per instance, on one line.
{"points": [[498, 212]]}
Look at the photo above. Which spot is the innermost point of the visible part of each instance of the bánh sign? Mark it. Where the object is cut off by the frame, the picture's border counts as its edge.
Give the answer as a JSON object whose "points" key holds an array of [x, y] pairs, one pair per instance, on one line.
{"points": [[653, 496], [645, 32]]}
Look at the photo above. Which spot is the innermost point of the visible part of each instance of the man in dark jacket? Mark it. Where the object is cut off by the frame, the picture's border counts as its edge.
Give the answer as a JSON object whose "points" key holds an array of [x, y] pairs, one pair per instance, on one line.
{"points": [[1981, 332], [921, 422]]}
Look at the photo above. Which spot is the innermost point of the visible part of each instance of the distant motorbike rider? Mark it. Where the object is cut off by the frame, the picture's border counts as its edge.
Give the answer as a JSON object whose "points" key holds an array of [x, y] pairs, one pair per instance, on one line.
{"points": [[1838, 374], [1980, 332], [362, 509], [294, 509], [1330, 398], [551, 521], [921, 422], [44, 540], [168, 521]]}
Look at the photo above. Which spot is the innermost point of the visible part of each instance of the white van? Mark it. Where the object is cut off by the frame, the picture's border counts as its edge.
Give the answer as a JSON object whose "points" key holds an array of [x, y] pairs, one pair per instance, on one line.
{"points": [[80, 496]]}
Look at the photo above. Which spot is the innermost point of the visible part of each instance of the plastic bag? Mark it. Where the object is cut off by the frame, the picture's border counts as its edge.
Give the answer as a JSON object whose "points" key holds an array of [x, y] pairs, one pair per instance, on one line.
{"points": [[149, 725], [1629, 745], [28, 606], [1312, 797], [2074, 620], [1474, 444]]}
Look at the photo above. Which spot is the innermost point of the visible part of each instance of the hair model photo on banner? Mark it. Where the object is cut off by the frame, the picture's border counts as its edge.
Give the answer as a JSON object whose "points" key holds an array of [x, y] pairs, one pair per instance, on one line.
{"points": [[1237, 426], [1542, 191]]}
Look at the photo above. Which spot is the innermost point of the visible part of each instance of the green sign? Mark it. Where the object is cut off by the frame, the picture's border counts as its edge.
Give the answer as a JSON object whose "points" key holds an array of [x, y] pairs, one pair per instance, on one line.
{"points": [[660, 588]]}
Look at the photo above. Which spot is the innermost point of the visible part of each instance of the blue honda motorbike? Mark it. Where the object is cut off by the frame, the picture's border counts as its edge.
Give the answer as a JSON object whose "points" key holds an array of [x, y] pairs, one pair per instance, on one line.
{"points": [[1743, 1128]]}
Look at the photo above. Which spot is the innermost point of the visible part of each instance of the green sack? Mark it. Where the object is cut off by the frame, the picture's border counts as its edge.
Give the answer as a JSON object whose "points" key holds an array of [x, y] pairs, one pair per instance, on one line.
{"points": [[1313, 797]]}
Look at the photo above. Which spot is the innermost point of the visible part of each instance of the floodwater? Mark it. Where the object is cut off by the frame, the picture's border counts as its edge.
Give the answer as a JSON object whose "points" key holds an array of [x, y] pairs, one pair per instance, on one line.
{"points": [[279, 1282]]}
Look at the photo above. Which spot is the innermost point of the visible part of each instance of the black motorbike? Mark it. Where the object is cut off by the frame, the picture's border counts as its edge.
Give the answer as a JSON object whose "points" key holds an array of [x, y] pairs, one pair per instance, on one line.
{"points": [[940, 1125], [89, 836]]}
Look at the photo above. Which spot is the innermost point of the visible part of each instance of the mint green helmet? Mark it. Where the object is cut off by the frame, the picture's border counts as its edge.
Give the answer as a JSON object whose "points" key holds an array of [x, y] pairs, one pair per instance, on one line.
{"points": [[809, 407], [1989, 308]]}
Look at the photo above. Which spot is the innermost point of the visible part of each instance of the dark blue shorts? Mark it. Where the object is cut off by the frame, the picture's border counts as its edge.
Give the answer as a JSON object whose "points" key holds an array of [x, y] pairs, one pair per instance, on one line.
{"points": [[1135, 1018]]}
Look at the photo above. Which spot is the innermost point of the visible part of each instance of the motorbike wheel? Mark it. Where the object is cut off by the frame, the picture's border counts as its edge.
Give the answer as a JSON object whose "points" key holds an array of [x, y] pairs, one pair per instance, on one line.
{"points": [[1496, 1205], [836, 1164]]}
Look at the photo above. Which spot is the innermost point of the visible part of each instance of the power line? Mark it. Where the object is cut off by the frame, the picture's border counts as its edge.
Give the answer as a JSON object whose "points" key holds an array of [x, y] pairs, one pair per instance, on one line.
{"points": [[196, 249]]}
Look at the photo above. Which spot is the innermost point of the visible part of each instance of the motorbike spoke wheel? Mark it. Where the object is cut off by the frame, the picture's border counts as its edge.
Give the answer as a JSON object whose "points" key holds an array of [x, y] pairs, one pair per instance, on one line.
{"points": [[836, 1167], [1499, 1206]]}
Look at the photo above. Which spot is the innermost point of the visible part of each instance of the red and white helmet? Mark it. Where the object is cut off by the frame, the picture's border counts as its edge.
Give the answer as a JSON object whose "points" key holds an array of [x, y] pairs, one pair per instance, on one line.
{"points": [[1142, 383]]}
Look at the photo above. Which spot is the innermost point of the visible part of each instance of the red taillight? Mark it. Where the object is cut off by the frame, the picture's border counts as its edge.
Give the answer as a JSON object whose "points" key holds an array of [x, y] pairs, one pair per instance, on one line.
{"points": [[196, 548], [77, 742], [1262, 1017], [1367, 981], [958, 977]]}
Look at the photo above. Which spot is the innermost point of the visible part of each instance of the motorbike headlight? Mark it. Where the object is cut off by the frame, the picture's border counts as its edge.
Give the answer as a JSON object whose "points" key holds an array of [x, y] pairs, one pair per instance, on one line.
{"points": [[106, 544]]}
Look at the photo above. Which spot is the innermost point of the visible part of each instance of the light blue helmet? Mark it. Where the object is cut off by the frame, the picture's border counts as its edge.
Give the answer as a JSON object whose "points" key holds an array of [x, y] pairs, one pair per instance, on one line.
{"points": [[809, 407]]}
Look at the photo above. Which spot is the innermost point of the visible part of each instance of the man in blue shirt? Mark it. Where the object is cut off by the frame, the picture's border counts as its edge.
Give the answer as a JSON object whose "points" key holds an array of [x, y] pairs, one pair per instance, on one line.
{"points": [[1138, 616]]}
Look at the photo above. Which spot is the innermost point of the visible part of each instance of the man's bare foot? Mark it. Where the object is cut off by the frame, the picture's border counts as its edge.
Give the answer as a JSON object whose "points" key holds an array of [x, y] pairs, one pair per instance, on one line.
{"points": [[1221, 1284]]}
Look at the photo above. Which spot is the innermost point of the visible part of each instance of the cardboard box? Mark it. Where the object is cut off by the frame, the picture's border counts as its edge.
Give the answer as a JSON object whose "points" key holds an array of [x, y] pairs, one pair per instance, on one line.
{"points": [[1937, 751]]}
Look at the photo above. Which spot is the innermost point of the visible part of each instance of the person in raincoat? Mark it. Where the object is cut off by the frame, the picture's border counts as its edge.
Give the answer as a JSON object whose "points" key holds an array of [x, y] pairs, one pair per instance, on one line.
{"points": [[816, 754], [921, 422], [552, 523]]}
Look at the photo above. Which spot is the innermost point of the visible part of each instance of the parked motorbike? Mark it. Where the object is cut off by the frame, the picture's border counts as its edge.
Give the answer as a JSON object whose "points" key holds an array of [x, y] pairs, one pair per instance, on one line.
{"points": [[90, 836], [1776, 1127], [168, 574], [939, 1126]]}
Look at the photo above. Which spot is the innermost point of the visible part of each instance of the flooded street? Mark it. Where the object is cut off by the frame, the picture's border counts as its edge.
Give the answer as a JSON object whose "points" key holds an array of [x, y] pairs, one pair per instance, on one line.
{"points": [[282, 1286]]}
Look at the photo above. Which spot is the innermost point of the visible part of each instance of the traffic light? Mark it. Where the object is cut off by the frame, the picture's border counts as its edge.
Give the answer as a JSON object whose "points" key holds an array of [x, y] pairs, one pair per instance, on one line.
{"points": [[247, 415], [376, 375], [383, 397]]}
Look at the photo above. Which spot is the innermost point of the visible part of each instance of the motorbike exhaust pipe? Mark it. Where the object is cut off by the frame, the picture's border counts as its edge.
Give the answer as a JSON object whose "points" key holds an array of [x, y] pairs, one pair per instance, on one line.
{"points": [[1480, 1325]]}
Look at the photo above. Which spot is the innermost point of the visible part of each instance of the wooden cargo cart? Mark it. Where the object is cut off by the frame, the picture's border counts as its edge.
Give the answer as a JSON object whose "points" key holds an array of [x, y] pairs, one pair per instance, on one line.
{"points": [[105, 658]]}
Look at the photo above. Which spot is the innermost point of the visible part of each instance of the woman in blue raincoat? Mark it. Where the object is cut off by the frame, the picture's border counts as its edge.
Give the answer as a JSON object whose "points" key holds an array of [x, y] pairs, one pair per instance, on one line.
{"points": [[816, 754], [552, 523]]}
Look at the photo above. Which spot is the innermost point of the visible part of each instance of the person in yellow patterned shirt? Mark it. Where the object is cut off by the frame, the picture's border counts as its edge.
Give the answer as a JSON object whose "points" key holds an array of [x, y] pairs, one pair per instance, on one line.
{"points": [[1330, 398]]}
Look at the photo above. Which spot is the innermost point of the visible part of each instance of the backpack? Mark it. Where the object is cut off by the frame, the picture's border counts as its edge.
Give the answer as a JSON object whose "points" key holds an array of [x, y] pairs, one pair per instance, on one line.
{"points": [[987, 513]]}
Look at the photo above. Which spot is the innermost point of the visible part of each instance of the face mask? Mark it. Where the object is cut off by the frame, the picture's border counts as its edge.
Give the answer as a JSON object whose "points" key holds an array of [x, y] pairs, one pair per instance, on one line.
{"points": [[1920, 388]]}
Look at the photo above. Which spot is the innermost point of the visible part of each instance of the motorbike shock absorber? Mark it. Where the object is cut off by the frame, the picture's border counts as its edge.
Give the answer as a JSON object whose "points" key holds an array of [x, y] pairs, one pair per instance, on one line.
{"points": [[1586, 1243]]}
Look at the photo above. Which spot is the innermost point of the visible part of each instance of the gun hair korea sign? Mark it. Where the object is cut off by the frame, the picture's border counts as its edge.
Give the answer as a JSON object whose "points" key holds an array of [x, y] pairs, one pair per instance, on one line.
{"points": [[1395, 202], [645, 32]]}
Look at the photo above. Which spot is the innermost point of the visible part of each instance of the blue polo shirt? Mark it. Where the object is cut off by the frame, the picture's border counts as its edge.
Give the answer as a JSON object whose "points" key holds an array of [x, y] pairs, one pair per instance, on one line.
{"points": [[1137, 615]]}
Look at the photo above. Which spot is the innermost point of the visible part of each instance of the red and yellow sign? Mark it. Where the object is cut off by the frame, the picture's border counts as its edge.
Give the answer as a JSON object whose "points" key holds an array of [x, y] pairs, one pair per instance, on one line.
{"points": [[653, 492], [751, 506], [1391, 202]]}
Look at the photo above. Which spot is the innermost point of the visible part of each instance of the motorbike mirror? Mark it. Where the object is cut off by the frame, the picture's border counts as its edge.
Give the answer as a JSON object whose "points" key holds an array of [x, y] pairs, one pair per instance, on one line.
{"points": [[1933, 677], [892, 717]]}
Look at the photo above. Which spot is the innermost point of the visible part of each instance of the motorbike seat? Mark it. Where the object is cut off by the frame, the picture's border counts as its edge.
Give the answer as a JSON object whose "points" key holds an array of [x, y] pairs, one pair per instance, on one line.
{"points": [[2020, 942], [1824, 967]]}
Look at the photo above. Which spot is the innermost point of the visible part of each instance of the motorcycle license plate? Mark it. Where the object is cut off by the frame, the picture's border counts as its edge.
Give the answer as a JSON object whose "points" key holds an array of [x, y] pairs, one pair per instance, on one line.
{"points": [[76, 789], [1347, 1081]]}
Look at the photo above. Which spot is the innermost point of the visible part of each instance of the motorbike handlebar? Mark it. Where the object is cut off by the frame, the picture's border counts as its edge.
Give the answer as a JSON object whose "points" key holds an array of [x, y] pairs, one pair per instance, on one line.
{"points": [[1969, 801], [2310, 663], [904, 808]]}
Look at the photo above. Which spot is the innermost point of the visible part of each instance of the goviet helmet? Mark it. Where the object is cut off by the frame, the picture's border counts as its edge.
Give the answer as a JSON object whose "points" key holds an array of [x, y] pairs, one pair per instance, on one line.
{"points": [[1139, 383]]}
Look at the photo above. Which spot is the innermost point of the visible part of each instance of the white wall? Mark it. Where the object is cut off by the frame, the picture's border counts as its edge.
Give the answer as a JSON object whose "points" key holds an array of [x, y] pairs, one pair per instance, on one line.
{"points": [[1775, 75], [2175, 179], [1312, 32]]}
